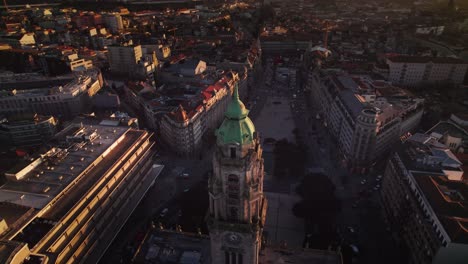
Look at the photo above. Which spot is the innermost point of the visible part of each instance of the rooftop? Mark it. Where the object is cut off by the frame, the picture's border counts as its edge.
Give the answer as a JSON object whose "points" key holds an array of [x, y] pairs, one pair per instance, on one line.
{"points": [[164, 246], [13, 213], [45, 177], [422, 59], [73, 87], [237, 126], [448, 128], [7, 248], [449, 201], [424, 152]]}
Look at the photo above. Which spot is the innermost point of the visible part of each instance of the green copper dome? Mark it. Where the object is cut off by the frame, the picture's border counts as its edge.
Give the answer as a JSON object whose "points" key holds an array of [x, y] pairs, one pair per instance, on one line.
{"points": [[237, 126]]}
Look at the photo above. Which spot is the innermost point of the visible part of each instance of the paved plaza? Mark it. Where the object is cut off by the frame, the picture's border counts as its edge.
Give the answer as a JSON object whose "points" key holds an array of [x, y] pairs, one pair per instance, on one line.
{"points": [[281, 224], [275, 120]]}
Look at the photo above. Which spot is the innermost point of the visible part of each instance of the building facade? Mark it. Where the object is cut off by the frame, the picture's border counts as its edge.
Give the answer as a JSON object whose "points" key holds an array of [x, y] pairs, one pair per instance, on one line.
{"points": [[237, 203], [123, 58], [76, 196], [453, 133], [184, 131], [67, 101], [412, 71], [27, 132], [422, 200], [365, 116], [113, 21], [128, 59]]}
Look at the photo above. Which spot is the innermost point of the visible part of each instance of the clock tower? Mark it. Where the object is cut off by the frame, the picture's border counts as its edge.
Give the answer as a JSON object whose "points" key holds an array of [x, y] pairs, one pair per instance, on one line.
{"points": [[237, 204]]}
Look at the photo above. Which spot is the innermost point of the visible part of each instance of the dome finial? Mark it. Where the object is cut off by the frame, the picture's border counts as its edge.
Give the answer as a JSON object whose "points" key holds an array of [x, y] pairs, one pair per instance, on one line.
{"points": [[235, 94], [236, 109], [237, 126]]}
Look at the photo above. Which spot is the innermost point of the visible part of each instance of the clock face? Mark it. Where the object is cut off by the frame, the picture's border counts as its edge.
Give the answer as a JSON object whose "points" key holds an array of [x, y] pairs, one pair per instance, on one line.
{"points": [[232, 238]]}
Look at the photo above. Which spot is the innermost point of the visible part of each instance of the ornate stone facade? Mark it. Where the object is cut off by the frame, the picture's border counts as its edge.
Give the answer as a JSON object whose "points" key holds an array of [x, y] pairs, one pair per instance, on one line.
{"points": [[237, 203]]}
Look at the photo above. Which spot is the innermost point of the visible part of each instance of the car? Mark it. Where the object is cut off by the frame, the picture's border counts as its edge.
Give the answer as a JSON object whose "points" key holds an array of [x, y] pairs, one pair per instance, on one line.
{"points": [[185, 175], [379, 176], [375, 188], [350, 229], [186, 190], [355, 249], [164, 212], [378, 179]]}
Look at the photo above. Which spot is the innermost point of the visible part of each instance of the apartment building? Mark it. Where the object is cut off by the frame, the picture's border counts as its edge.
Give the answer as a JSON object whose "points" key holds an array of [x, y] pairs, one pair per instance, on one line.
{"points": [[113, 21], [128, 59], [411, 71], [19, 40], [366, 116], [25, 131], [184, 131], [61, 101], [123, 58], [70, 202], [423, 201]]}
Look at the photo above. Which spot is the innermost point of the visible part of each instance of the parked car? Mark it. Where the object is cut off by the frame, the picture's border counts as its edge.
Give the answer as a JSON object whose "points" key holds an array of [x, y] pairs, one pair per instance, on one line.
{"points": [[164, 212]]}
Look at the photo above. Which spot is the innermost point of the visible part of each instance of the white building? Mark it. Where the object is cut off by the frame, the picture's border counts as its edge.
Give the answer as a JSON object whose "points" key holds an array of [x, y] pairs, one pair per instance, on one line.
{"points": [[73, 197], [61, 101], [129, 59], [365, 116], [123, 58], [412, 71], [183, 131], [78, 64], [423, 202], [27, 131]]}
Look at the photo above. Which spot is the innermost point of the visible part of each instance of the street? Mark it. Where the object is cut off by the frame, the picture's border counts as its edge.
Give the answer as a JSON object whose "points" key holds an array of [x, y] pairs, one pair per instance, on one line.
{"points": [[359, 222], [278, 105]]}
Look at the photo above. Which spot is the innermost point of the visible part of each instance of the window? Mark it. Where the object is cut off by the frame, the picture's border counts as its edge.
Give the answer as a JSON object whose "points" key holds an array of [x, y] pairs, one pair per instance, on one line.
{"points": [[233, 213], [233, 178], [226, 257], [233, 152], [233, 258], [240, 258]]}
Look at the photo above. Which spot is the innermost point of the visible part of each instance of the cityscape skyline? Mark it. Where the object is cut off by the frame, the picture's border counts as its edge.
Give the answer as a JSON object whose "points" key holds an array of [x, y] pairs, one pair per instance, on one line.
{"points": [[236, 132]]}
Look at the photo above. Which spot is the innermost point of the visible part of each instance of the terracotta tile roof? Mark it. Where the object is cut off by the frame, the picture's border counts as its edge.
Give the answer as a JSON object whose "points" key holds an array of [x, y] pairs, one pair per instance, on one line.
{"points": [[179, 115]]}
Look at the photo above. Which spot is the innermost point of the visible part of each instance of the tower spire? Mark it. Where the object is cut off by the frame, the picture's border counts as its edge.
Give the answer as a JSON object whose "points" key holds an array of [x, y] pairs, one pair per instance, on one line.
{"points": [[237, 126], [235, 93], [237, 202]]}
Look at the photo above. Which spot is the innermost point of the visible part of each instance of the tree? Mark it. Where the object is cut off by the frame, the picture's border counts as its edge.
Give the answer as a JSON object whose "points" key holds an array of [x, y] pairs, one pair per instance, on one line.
{"points": [[289, 159], [319, 207]]}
